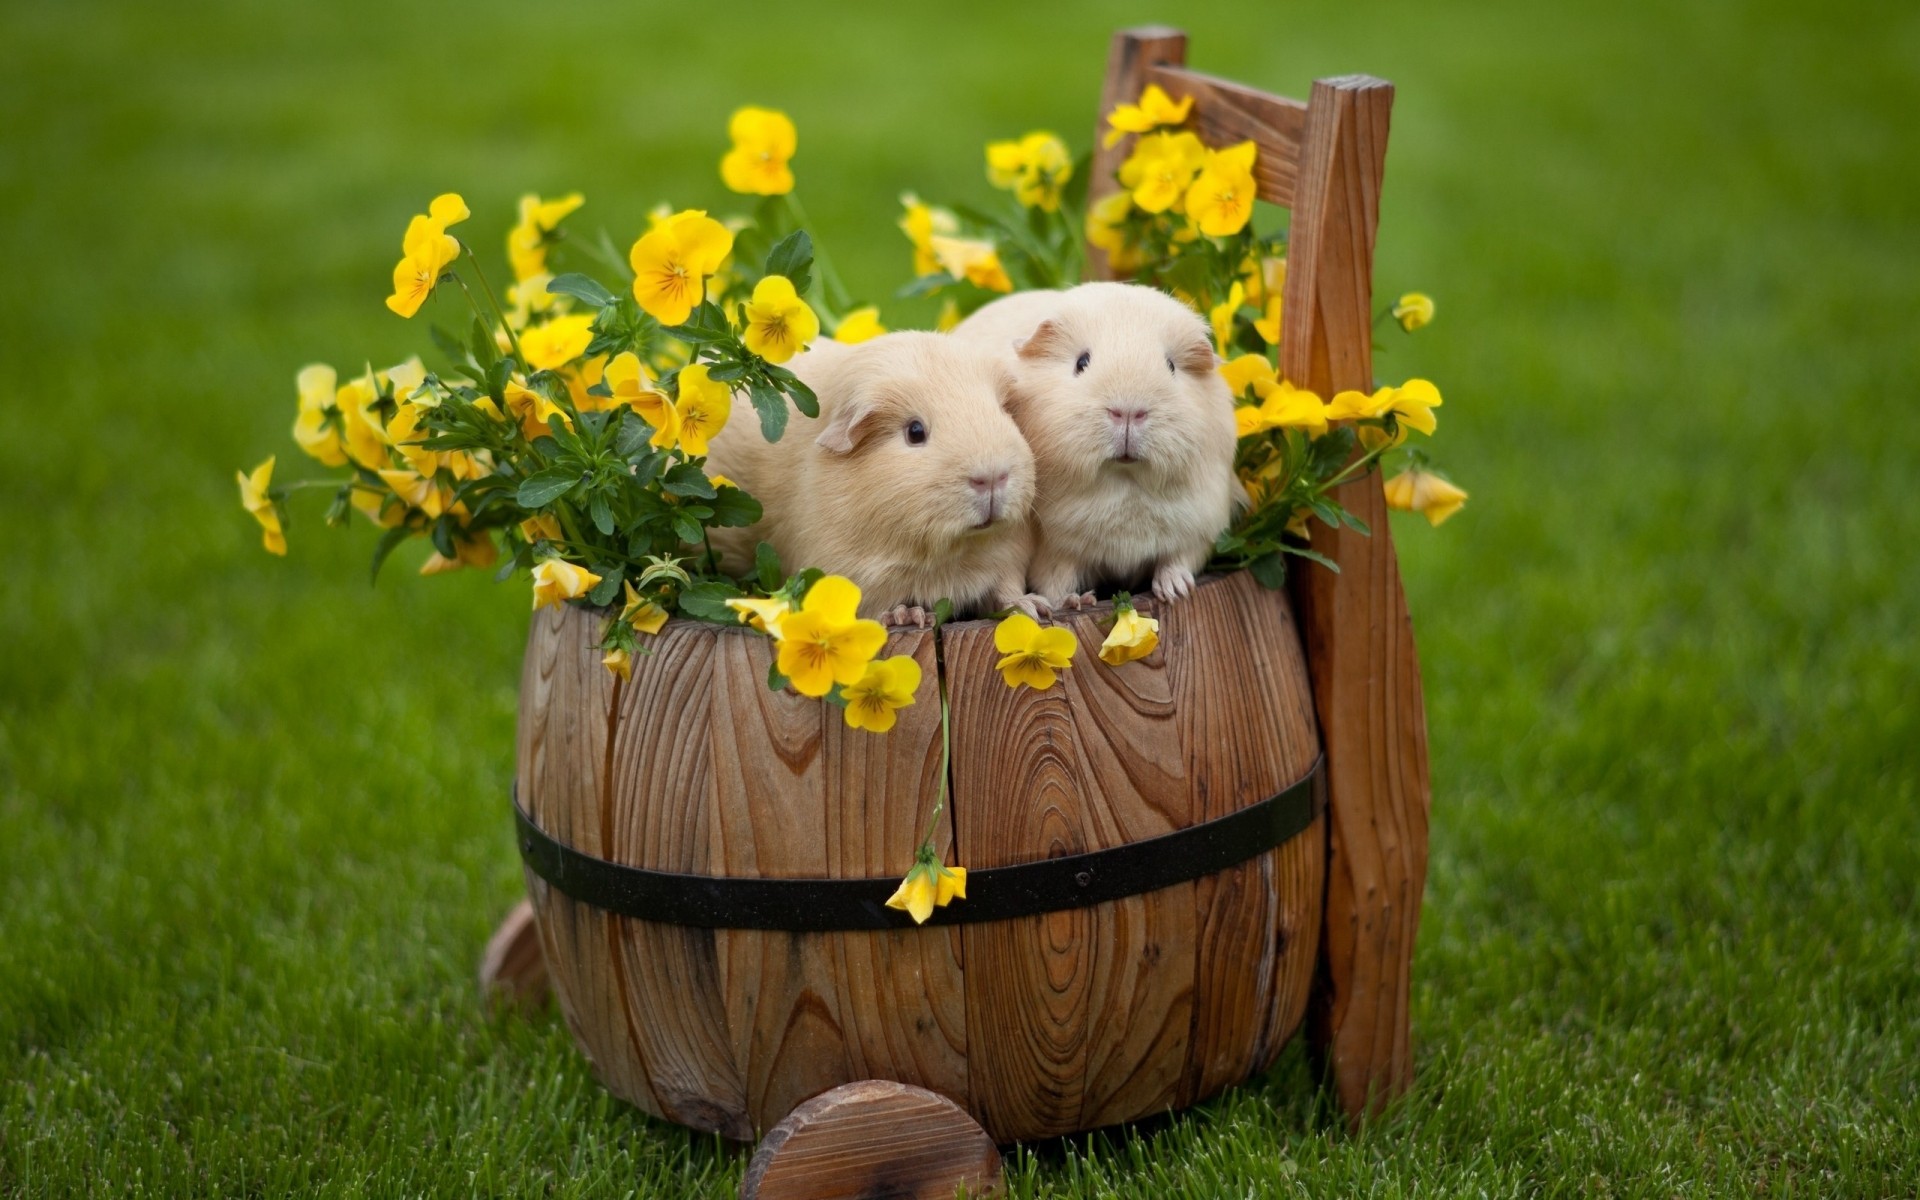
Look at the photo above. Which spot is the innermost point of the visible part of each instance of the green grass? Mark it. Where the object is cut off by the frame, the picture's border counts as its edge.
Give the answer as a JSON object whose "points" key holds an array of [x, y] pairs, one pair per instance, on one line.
{"points": [[252, 833]]}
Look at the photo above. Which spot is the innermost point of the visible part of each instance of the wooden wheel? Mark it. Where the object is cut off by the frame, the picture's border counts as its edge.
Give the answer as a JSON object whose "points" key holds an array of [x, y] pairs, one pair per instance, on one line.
{"points": [[874, 1138], [513, 971]]}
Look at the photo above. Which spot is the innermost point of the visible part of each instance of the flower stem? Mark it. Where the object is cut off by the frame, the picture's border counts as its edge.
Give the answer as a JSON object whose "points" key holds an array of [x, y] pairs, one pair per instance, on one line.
{"points": [[836, 291], [500, 312]]}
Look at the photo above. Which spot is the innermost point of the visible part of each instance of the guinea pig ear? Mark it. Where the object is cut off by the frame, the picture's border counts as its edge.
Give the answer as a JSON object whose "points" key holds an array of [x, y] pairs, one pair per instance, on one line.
{"points": [[1045, 342], [844, 425], [1196, 356], [1007, 388]]}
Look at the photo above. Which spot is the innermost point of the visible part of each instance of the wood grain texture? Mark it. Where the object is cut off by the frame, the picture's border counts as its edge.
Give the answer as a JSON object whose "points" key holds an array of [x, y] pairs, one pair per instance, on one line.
{"points": [[1132, 54], [1227, 113], [513, 970], [661, 815], [870, 1139], [1357, 634], [567, 702]]}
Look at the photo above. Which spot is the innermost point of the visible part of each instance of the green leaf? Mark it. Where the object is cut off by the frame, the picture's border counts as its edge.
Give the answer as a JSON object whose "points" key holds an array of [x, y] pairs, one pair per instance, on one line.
{"points": [[942, 611], [704, 324], [631, 442], [687, 479], [497, 376], [609, 585], [727, 372], [480, 340], [1270, 570], [1314, 556], [772, 407], [803, 397], [687, 529], [392, 538], [776, 682], [602, 513], [544, 487], [580, 287], [734, 509], [707, 600], [793, 257], [766, 566], [925, 285]]}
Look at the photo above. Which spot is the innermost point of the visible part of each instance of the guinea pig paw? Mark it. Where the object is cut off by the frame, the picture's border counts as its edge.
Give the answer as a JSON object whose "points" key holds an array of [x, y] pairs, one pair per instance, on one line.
{"points": [[908, 614], [1034, 605], [1078, 601], [1172, 582]]}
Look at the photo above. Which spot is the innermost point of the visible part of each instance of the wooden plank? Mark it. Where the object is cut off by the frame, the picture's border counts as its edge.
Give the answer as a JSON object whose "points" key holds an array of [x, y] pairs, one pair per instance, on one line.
{"points": [[661, 813], [1131, 55], [901, 994], [1019, 785], [770, 820], [513, 971], [567, 701], [874, 1138], [1357, 635], [1140, 997], [1227, 113]]}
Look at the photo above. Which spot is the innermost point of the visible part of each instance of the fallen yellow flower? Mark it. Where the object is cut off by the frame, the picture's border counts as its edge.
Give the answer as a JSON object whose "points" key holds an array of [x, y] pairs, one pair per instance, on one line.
{"points": [[642, 613], [1031, 655], [1132, 637]]}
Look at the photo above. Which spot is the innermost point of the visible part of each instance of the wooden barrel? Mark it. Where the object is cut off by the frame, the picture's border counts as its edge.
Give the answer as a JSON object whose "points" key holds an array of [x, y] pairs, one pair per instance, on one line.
{"points": [[1038, 1025]]}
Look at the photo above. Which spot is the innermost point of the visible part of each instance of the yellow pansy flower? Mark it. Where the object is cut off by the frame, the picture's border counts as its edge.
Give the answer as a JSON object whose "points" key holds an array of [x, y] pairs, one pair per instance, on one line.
{"points": [[643, 614], [949, 317], [418, 491], [1029, 654], [1161, 169], [541, 526], [763, 143], [1246, 373], [532, 408], [382, 508], [860, 325], [317, 426], [1414, 310], [527, 299], [928, 884], [778, 322], [1268, 327], [254, 498], [700, 411], [825, 642], [527, 240], [1221, 197], [1035, 169], [1414, 490], [721, 481], [1411, 406], [921, 223], [1106, 231], [553, 345], [1155, 109], [763, 614], [672, 260], [556, 581], [1132, 636], [476, 550], [633, 385], [888, 685], [406, 433], [364, 439], [1266, 279], [619, 661], [426, 250], [1222, 316], [973, 260]]}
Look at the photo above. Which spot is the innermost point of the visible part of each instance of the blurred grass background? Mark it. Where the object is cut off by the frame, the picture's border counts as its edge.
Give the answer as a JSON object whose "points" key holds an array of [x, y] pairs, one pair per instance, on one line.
{"points": [[252, 830]]}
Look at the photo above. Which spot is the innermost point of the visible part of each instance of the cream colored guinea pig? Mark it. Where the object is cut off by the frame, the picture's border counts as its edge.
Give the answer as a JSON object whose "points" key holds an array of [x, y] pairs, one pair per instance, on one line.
{"points": [[913, 482], [1116, 388]]}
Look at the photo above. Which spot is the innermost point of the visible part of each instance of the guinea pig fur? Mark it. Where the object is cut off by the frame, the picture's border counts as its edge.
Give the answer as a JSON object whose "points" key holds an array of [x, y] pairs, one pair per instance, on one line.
{"points": [[1117, 388], [913, 482]]}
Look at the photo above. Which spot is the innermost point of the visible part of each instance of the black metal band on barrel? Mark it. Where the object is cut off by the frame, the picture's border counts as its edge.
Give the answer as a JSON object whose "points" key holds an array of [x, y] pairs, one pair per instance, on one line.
{"points": [[993, 893]]}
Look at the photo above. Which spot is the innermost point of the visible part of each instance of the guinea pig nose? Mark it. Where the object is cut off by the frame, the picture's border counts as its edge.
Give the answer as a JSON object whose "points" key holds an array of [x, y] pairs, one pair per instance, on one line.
{"points": [[987, 483], [1127, 416]]}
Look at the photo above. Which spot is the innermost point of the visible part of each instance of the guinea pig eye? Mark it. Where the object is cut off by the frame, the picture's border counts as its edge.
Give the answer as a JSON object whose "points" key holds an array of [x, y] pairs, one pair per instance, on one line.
{"points": [[1080, 364], [1171, 370], [916, 432]]}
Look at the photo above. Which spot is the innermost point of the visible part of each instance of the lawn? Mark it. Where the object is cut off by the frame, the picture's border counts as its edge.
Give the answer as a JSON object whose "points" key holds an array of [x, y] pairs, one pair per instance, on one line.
{"points": [[253, 831]]}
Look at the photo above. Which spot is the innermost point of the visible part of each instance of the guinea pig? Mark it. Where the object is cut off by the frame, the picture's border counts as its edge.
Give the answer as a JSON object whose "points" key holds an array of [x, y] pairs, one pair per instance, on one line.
{"points": [[1117, 389], [913, 481]]}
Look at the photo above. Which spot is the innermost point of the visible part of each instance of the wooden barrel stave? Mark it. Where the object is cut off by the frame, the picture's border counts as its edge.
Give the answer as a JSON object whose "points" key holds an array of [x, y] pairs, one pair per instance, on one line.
{"points": [[1067, 1020]]}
